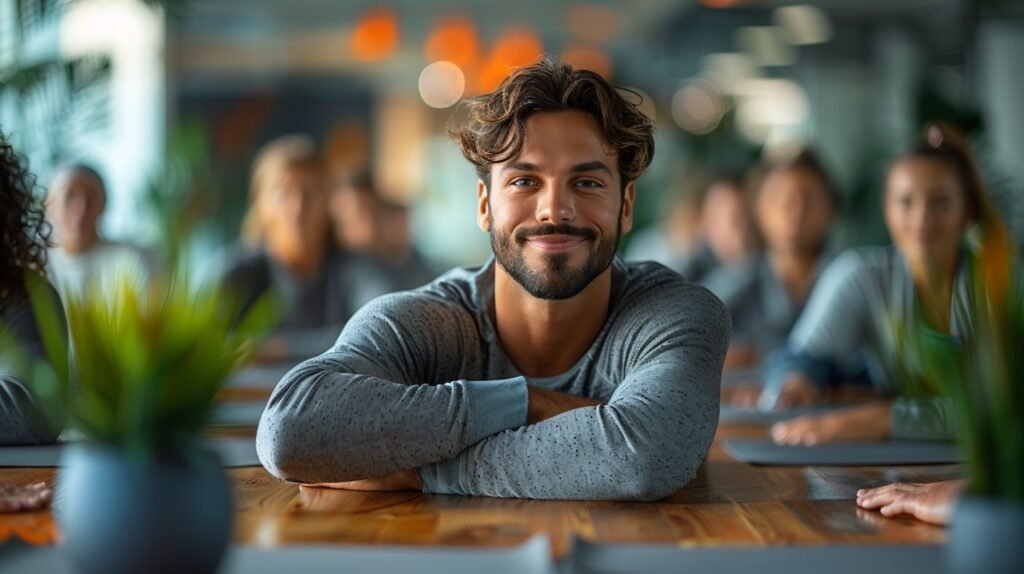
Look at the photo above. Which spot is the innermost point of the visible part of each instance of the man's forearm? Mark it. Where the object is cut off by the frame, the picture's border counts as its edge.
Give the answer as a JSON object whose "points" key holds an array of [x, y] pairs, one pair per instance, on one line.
{"points": [[322, 425]]}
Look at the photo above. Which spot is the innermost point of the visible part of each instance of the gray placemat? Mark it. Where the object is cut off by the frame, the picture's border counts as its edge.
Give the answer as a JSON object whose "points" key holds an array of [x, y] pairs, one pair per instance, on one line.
{"points": [[531, 557], [245, 413], [260, 376], [615, 559], [233, 452], [743, 416], [892, 453]]}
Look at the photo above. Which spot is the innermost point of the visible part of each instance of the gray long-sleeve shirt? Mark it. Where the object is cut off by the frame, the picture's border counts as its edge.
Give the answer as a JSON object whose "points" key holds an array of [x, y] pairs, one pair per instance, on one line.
{"points": [[420, 380]]}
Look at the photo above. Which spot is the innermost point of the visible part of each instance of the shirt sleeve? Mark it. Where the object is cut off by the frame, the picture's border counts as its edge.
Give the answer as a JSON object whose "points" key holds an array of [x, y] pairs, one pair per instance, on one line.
{"points": [[832, 327], [644, 444], [374, 405]]}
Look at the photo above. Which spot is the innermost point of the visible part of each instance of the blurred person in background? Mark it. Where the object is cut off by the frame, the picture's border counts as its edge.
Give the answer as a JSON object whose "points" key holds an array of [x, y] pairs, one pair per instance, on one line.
{"points": [[794, 203], [703, 232], [26, 237], [289, 253], [366, 223], [81, 257], [934, 195], [727, 228], [675, 238]]}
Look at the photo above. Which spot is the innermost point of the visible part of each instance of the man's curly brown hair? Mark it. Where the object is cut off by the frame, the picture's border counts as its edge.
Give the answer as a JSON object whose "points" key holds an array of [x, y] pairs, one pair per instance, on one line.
{"points": [[496, 124], [23, 227]]}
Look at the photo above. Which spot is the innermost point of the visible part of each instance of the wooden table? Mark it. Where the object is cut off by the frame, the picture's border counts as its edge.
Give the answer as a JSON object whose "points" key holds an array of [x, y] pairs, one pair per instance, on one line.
{"points": [[728, 503]]}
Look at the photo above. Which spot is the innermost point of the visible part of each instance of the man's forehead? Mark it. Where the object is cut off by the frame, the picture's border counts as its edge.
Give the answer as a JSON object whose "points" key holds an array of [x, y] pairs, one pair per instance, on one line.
{"points": [[559, 141]]}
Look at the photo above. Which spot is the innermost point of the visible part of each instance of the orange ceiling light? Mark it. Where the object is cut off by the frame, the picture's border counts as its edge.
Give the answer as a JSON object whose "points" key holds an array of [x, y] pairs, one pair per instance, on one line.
{"points": [[375, 36], [514, 49], [587, 58], [453, 40]]}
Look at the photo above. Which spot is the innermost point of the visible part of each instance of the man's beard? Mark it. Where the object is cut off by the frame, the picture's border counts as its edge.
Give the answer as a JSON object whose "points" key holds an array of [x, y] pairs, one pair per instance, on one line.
{"points": [[558, 279]]}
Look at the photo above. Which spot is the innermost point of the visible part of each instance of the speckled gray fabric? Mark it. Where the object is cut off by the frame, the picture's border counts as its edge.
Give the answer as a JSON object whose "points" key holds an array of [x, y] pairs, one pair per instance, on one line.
{"points": [[419, 380]]}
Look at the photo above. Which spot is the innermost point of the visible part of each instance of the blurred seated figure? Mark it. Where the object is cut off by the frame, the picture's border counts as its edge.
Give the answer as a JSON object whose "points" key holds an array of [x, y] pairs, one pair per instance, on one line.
{"points": [[82, 256], [930, 502], [366, 223], [727, 230], [794, 204], [673, 240], [289, 255], [934, 195], [24, 419], [701, 233]]}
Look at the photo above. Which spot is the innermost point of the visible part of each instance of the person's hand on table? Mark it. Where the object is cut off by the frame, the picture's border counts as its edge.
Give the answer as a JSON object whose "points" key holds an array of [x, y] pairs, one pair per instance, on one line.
{"points": [[797, 391], [402, 480], [544, 404], [932, 502], [860, 423], [745, 395], [23, 498]]}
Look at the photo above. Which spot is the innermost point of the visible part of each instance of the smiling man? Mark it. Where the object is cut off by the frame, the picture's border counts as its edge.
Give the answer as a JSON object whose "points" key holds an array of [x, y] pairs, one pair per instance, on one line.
{"points": [[553, 371]]}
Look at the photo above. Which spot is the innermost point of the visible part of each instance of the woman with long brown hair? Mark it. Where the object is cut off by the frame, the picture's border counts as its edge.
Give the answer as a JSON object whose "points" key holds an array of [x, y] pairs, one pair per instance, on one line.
{"points": [[934, 198]]}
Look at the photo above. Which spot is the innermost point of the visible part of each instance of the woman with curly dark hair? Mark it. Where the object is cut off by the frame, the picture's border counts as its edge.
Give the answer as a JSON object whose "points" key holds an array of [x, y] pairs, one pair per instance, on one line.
{"points": [[25, 234]]}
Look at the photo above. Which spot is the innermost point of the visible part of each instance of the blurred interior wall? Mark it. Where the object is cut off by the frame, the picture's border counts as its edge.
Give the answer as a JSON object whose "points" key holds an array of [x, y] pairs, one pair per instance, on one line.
{"points": [[1001, 94]]}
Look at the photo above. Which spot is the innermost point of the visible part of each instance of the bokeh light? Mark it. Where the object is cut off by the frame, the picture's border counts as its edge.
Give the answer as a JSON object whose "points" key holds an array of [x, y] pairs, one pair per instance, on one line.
{"points": [[442, 84]]}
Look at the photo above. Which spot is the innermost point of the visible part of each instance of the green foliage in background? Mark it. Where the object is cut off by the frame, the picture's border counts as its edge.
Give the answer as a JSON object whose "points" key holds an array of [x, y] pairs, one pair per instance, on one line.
{"points": [[150, 357]]}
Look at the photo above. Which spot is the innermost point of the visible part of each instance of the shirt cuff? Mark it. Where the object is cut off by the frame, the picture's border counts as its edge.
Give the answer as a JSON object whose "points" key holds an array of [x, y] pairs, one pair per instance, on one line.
{"points": [[494, 406]]}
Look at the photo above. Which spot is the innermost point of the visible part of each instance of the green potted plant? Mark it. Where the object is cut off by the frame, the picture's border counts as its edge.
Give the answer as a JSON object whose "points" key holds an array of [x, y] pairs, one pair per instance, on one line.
{"points": [[983, 376], [140, 493]]}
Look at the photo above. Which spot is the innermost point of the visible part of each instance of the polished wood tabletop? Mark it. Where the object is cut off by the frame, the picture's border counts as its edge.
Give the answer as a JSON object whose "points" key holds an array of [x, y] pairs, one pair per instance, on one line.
{"points": [[728, 503]]}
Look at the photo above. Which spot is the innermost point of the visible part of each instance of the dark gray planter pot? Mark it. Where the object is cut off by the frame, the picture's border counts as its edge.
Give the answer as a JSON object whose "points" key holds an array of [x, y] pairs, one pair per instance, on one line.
{"points": [[987, 535], [119, 515]]}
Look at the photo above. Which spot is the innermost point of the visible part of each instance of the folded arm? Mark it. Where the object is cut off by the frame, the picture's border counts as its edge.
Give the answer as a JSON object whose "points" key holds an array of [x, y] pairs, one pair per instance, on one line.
{"points": [[644, 444], [370, 407]]}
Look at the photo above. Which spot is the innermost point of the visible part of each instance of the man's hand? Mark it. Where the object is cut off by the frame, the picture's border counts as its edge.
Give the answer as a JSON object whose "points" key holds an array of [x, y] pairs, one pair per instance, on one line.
{"points": [[866, 422], [402, 480], [23, 498], [544, 404], [931, 502]]}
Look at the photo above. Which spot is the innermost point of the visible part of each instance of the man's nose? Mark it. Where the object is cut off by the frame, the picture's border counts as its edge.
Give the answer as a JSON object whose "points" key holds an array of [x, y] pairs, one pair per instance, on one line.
{"points": [[556, 203]]}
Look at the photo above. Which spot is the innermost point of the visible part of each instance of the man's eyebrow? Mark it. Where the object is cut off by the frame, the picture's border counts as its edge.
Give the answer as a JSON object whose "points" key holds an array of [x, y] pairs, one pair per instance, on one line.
{"points": [[521, 166], [591, 166], [578, 168]]}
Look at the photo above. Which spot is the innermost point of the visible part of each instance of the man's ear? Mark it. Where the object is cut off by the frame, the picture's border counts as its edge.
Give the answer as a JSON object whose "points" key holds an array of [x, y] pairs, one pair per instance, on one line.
{"points": [[483, 207], [628, 197]]}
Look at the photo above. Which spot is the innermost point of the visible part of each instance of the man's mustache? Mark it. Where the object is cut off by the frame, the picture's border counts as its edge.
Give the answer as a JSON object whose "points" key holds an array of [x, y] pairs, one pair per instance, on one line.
{"points": [[550, 229]]}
